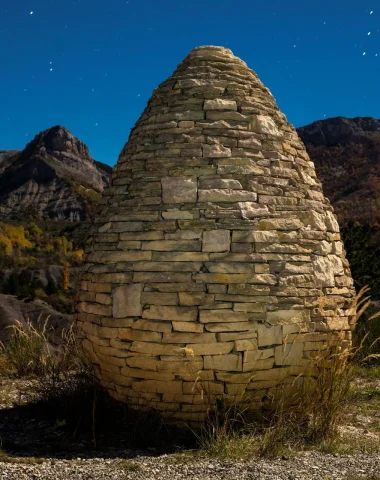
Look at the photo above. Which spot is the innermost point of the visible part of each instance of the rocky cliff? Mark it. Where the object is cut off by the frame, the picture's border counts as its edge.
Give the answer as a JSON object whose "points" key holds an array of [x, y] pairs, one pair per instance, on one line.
{"points": [[346, 153], [53, 178]]}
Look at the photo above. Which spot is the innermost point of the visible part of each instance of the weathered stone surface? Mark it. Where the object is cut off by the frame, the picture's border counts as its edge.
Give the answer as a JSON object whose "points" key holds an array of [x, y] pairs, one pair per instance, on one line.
{"points": [[289, 354], [269, 335], [127, 301], [286, 317], [179, 189], [216, 241], [251, 210], [264, 124], [188, 314], [220, 104], [216, 151], [226, 195], [229, 363], [215, 260]]}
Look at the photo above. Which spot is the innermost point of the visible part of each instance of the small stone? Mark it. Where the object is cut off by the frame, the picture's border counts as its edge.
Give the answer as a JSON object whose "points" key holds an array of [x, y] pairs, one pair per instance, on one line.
{"points": [[127, 301], [226, 195], [264, 124], [269, 335], [216, 151], [220, 104], [179, 189], [216, 241]]}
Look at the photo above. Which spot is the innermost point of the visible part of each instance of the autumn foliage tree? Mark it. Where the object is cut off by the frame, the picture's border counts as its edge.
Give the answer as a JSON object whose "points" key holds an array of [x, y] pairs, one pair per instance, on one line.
{"points": [[66, 277]]}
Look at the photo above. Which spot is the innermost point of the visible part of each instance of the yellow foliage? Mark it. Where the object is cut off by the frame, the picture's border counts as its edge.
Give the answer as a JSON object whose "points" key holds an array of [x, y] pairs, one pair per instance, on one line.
{"points": [[66, 277], [78, 254], [6, 248], [62, 245], [13, 237]]}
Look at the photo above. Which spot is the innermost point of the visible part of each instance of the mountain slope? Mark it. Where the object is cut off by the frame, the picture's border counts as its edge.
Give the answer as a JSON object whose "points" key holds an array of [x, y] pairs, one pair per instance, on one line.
{"points": [[53, 178], [346, 153]]}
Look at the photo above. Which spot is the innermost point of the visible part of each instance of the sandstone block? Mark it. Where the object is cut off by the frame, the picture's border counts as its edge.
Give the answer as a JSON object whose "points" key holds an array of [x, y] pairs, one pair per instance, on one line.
{"points": [[228, 337], [251, 210], [142, 324], [220, 104], [158, 312], [127, 301], [216, 151], [216, 241], [179, 189], [230, 267], [269, 335], [146, 374], [157, 386], [226, 195], [166, 277], [289, 354], [258, 360], [264, 124], [240, 170], [220, 316], [219, 348], [243, 326], [125, 256], [95, 308], [286, 317], [146, 348], [180, 257], [250, 307], [188, 327], [221, 183], [192, 299], [172, 245], [189, 337], [155, 298], [228, 363], [246, 344]]}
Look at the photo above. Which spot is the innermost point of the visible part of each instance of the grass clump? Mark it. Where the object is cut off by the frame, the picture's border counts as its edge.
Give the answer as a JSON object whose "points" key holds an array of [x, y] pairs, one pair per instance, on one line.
{"points": [[129, 466], [6, 458], [303, 412], [28, 352]]}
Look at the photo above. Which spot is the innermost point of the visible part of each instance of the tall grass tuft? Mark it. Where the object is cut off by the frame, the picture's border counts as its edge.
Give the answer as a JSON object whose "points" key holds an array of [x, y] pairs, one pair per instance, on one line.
{"points": [[28, 351], [298, 413]]}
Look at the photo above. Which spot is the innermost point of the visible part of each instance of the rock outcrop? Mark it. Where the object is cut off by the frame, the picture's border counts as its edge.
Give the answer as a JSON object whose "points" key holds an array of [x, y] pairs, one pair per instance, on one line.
{"points": [[215, 265], [13, 310], [346, 153], [53, 178]]}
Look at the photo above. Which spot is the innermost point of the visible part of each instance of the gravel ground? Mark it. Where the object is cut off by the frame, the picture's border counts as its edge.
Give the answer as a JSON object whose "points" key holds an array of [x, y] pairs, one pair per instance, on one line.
{"points": [[306, 466], [21, 434]]}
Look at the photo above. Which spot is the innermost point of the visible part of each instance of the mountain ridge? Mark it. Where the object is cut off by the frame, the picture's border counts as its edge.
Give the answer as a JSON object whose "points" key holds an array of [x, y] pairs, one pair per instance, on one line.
{"points": [[53, 178], [346, 154]]}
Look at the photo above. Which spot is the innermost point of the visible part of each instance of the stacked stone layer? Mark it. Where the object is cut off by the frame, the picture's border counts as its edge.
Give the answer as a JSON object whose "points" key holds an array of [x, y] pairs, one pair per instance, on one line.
{"points": [[215, 265]]}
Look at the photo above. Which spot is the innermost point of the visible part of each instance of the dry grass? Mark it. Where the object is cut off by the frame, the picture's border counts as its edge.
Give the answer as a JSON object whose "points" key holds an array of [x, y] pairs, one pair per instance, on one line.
{"points": [[6, 458], [29, 353], [306, 413], [129, 466]]}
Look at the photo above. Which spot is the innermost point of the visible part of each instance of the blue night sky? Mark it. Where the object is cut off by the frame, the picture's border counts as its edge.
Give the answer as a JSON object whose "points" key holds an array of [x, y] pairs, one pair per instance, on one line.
{"points": [[91, 65]]}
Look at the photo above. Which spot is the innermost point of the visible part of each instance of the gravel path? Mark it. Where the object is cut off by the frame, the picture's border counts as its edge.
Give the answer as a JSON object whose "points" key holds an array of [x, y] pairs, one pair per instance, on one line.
{"points": [[306, 466]]}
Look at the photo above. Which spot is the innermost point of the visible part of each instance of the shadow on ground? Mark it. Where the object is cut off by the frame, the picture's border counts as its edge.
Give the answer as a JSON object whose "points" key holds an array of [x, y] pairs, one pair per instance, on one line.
{"points": [[71, 422]]}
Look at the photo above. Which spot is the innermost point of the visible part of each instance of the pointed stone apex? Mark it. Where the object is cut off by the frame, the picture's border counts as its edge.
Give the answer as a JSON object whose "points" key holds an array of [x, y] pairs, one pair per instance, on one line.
{"points": [[210, 48]]}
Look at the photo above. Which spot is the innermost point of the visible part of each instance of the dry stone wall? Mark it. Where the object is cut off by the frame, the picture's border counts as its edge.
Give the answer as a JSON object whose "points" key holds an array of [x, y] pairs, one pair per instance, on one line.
{"points": [[215, 264]]}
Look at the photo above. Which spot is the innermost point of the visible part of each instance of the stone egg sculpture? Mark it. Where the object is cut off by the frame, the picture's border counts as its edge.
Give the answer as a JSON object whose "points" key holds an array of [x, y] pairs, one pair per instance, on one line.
{"points": [[215, 264]]}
